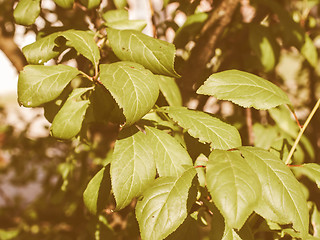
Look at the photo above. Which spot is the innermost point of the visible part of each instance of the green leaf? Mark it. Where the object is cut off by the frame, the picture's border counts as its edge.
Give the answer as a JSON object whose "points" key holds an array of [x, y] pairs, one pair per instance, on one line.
{"points": [[68, 122], [163, 206], [97, 191], [208, 129], [83, 42], [90, 3], [64, 3], [137, 25], [41, 84], [309, 51], [201, 164], [154, 54], [230, 234], [170, 90], [41, 50], [115, 15], [244, 89], [26, 12], [170, 157], [264, 136], [234, 187], [132, 168], [282, 198], [315, 221], [133, 87], [312, 171], [120, 3], [263, 44], [188, 230]]}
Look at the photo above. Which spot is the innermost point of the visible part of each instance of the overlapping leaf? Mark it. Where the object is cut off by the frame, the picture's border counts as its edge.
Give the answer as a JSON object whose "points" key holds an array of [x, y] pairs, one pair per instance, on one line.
{"points": [[64, 3], [134, 88], [163, 207], [115, 15], [40, 84], [234, 187], [170, 90], [90, 3], [170, 157], [83, 42], [312, 170], [137, 25], [208, 129], [68, 122], [154, 54], [41, 50], [132, 167], [282, 198], [120, 3], [244, 89], [97, 191], [26, 12]]}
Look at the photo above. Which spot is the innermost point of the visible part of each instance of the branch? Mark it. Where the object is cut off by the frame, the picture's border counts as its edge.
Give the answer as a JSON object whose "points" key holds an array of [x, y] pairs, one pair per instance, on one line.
{"points": [[205, 47], [12, 51]]}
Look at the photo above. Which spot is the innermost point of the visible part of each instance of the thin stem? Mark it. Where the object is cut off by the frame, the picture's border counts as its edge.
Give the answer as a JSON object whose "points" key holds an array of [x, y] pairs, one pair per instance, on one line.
{"points": [[86, 75], [295, 116], [316, 106], [249, 126]]}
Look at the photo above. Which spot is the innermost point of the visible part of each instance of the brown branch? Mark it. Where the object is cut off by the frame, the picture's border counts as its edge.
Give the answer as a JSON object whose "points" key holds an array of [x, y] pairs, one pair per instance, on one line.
{"points": [[12, 51], [193, 72]]}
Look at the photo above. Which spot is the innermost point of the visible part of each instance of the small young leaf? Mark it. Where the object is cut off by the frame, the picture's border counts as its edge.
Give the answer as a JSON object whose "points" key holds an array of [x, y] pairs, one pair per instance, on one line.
{"points": [[68, 122], [97, 192], [170, 90], [90, 3], [170, 157], [84, 43], [132, 168], [40, 84], [163, 207], [208, 129], [309, 51], [27, 11], [244, 89], [64, 3], [154, 54], [234, 187], [115, 15], [137, 25], [134, 88], [282, 198], [120, 3], [41, 50]]}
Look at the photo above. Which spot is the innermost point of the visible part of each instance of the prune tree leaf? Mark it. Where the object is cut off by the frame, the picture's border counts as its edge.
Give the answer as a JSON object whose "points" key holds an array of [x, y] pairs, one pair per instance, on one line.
{"points": [[120, 3], [163, 207], [132, 167], [83, 42], [208, 129], [309, 51], [27, 11], [90, 3], [244, 89], [170, 157], [134, 88], [115, 15], [312, 171], [233, 185], [39, 84], [170, 90], [137, 25], [41, 50], [64, 3], [68, 121], [154, 54], [282, 198], [97, 191]]}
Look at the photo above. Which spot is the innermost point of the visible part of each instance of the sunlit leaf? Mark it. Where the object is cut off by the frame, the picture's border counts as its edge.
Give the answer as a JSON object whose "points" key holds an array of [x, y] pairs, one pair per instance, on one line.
{"points": [[208, 129], [282, 198], [309, 51], [312, 171], [26, 12], [97, 191], [244, 89], [40, 84], [120, 3], [170, 90], [137, 25], [170, 157], [163, 207], [41, 50], [90, 3], [134, 88], [64, 3], [115, 15], [234, 187], [67, 123], [154, 54], [132, 168]]}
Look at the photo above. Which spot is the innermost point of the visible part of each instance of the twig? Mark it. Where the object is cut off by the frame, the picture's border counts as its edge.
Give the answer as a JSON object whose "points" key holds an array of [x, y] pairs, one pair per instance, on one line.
{"points": [[249, 126]]}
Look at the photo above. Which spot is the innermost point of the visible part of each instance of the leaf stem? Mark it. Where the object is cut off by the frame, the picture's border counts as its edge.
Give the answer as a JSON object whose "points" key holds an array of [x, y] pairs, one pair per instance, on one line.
{"points": [[86, 75], [316, 106], [295, 116]]}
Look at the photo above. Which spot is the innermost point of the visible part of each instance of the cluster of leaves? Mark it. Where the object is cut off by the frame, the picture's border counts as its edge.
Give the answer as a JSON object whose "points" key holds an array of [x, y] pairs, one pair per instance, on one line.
{"points": [[246, 192]]}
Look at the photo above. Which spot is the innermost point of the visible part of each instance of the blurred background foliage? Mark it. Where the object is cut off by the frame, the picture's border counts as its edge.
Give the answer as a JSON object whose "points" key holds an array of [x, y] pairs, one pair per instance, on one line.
{"points": [[278, 40]]}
